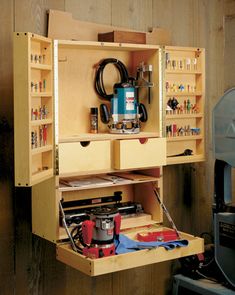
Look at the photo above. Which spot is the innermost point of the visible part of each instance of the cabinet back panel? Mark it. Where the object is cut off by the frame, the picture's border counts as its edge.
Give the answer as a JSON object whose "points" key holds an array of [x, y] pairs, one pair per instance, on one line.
{"points": [[76, 88]]}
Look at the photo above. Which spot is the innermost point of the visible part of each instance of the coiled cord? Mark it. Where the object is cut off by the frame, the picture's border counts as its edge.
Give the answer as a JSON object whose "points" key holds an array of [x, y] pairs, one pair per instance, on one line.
{"points": [[99, 82]]}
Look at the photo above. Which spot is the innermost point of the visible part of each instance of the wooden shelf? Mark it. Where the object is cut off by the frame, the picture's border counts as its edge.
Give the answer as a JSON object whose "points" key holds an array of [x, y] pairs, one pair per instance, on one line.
{"points": [[106, 136], [40, 66], [66, 188], [185, 159], [42, 149], [95, 267], [41, 122], [183, 72], [106, 45], [183, 93], [184, 116], [184, 138], [39, 38], [41, 175], [41, 94]]}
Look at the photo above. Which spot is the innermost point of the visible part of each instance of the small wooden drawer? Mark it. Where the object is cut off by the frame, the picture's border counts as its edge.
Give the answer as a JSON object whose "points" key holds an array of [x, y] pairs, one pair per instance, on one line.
{"points": [[78, 157], [136, 153], [95, 267]]}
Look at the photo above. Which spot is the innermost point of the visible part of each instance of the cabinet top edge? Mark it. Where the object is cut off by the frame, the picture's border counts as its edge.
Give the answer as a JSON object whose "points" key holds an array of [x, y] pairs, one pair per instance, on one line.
{"points": [[182, 48], [106, 45], [35, 37]]}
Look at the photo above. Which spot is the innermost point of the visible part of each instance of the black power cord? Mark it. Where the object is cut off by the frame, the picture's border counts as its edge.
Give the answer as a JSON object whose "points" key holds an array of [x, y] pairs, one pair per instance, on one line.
{"points": [[99, 82]]}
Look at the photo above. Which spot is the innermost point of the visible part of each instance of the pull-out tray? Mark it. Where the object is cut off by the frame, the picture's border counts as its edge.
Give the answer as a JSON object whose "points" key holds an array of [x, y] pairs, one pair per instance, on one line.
{"points": [[95, 267]]}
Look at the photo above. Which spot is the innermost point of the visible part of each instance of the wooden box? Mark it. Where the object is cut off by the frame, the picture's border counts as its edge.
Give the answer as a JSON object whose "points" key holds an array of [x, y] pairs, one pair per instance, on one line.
{"points": [[136, 153], [123, 37], [77, 157]]}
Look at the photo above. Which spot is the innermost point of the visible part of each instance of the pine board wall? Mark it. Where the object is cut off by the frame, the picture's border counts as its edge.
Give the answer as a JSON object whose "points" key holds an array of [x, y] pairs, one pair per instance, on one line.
{"points": [[27, 263]]}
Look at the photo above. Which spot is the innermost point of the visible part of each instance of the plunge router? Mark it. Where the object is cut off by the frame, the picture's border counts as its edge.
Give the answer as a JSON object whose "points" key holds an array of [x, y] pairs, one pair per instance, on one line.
{"points": [[124, 109], [126, 112], [99, 231], [93, 235]]}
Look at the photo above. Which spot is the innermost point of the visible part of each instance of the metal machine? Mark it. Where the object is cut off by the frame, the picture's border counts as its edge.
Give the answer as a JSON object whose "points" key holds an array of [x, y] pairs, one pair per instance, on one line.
{"points": [[224, 207], [124, 109], [93, 232], [126, 112], [99, 231]]}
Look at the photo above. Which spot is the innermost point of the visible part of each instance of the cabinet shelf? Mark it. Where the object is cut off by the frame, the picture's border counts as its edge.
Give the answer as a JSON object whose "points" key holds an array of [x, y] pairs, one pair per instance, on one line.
{"points": [[184, 116], [66, 188], [183, 93], [95, 267], [41, 122], [185, 159], [41, 175], [183, 72], [40, 66], [42, 149], [38, 38], [184, 138], [41, 94], [106, 136]]}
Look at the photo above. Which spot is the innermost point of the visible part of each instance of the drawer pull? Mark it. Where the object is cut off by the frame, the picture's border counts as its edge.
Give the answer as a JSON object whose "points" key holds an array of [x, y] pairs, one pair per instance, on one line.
{"points": [[84, 143], [143, 140]]}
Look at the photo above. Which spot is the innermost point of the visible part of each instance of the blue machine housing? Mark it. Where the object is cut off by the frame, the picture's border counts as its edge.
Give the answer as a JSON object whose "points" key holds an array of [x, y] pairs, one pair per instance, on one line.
{"points": [[124, 104]]}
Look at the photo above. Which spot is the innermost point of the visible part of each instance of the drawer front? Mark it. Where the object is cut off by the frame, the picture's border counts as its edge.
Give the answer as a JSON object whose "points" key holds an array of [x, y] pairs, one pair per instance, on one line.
{"points": [[95, 267], [135, 153], [77, 157]]}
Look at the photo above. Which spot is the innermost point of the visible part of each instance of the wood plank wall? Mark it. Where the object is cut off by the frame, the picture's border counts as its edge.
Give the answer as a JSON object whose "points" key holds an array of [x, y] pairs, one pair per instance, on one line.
{"points": [[27, 263]]}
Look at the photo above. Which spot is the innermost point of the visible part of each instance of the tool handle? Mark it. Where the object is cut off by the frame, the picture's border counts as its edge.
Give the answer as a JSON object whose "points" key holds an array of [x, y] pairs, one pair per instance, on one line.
{"points": [[117, 222], [87, 231], [104, 113]]}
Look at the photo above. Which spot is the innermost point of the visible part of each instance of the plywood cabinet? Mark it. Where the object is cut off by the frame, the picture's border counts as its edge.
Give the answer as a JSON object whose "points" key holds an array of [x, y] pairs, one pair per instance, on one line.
{"points": [[184, 91], [83, 157]]}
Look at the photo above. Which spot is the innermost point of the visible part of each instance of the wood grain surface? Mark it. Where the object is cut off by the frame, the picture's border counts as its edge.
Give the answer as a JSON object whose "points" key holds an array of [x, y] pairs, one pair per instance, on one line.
{"points": [[28, 263]]}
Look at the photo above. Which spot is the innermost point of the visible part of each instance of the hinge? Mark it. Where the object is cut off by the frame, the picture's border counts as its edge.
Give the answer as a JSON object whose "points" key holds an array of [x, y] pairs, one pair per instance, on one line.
{"points": [[56, 159]]}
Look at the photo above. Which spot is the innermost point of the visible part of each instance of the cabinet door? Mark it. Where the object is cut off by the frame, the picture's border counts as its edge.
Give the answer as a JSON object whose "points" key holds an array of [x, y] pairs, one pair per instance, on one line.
{"points": [[33, 109], [184, 89]]}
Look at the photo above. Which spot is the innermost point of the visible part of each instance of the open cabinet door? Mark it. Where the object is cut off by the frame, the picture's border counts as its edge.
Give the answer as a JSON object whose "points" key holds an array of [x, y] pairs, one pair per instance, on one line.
{"points": [[33, 109]]}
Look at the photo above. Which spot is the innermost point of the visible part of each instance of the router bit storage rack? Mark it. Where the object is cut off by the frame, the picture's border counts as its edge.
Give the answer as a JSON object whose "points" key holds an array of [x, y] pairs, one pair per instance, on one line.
{"points": [[184, 88], [33, 108], [79, 154]]}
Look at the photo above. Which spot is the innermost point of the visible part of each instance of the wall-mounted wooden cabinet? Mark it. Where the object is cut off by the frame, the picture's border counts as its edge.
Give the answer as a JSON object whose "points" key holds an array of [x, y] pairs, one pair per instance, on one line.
{"points": [[80, 155], [184, 91]]}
